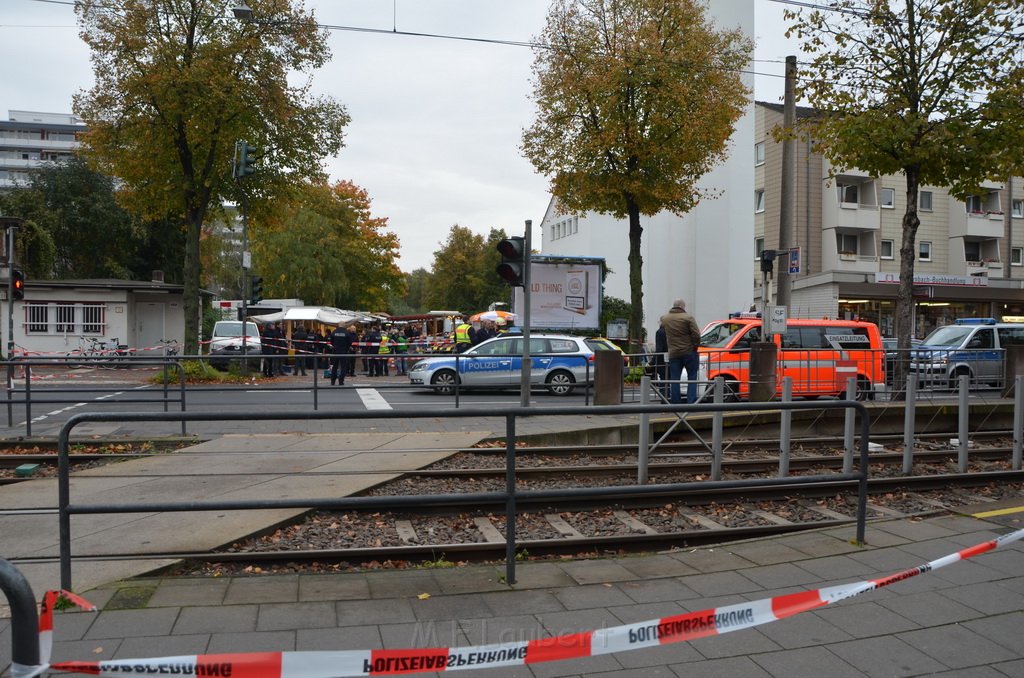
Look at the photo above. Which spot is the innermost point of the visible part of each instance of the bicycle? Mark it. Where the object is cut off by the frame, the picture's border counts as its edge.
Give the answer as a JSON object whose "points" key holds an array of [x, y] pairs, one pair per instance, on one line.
{"points": [[170, 346]]}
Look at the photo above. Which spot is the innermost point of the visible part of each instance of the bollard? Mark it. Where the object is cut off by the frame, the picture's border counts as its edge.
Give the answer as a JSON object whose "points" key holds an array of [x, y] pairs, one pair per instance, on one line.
{"points": [[763, 355], [1013, 367], [607, 378], [24, 618]]}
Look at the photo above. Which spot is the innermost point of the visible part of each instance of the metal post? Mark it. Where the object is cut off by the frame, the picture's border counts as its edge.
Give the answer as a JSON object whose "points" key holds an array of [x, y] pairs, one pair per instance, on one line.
{"points": [[524, 383], [1018, 420], [851, 394], [63, 501], [717, 420], [644, 434], [24, 618], [909, 405], [246, 289], [785, 427], [787, 205], [963, 428], [9, 233], [510, 499]]}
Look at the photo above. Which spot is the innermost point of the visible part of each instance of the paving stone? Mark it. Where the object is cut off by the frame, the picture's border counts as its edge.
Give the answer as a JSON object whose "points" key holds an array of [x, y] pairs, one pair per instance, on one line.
{"points": [[915, 531], [865, 619], [474, 580], [726, 667], [451, 607], [647, 591], [503, 629], [837, 568], [541, 575], [86, 650], [806, 661], [767, 551], [956, 646], [402, 584], [343, 638], [986, 598], [358, 613], [133, 623], [181, 592], [253, 641], [928, 608], [972, 672], [739, 643], [968, 572], [341, 586], [596, 595], [720, 583], [711, 559], [781, 574], [308, 615], [522, 602], [1014, 668], [72, 624], [263, 589], [816, 544], [629, 614], [216, 619], [164, 646], [886, 656], [596, 571], [1004, 629], [803, 630], [428, 633], [646, 567], [585, 666]]}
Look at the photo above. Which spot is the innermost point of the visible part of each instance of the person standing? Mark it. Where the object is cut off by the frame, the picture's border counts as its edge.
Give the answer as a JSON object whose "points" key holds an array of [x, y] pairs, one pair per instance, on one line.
{"points": [[683, 337], [463, 337], [300, 342], [272, 346], [371, 345], [341, 347]]}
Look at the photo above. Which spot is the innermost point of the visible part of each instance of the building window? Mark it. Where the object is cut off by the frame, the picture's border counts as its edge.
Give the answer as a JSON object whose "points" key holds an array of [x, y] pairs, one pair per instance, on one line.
{"points": [[924, 251], [55, 318], [849, 193], [94, 319], [924, 199], [888, 249], [37, 318], [759, 153], [65, 318], [1018, 208], [759, 200], [758, 247], [1017, 256], [888, 198], [972, 250], [847, 244], [975, 205]]}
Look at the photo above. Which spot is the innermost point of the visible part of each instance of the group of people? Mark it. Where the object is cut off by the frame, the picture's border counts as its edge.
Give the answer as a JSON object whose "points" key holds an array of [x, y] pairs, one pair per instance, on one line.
{"points": [[467, 336], [338, 350]]}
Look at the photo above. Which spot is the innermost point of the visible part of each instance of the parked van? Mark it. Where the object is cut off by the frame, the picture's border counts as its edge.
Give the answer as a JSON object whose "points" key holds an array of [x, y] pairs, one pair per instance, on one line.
{"points": [[974, 347], [819, 355], [226, 341]]}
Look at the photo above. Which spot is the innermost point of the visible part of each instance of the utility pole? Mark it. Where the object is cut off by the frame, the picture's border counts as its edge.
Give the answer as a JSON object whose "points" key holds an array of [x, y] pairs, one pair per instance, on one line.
{"points": [[787, 207], [524, 384]]}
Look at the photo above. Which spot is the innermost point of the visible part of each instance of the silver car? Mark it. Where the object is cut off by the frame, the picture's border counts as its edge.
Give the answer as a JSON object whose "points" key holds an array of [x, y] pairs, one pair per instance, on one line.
{"points": [[558, 362]]}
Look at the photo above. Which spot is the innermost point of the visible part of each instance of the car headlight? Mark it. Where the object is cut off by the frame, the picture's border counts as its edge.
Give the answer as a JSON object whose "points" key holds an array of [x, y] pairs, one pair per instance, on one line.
{"points": [[419, 367]]}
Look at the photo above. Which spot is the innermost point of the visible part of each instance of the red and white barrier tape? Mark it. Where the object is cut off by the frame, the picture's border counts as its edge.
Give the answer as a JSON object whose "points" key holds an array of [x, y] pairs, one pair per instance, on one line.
{"points": [[651, 633]]}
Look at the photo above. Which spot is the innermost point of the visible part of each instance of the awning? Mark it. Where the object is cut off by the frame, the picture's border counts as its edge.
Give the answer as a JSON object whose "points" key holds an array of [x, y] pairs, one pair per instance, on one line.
{"points": [[322, 314]]}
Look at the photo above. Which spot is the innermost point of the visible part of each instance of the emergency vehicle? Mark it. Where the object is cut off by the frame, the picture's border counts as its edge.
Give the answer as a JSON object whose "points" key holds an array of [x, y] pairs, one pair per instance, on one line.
{"points": [[819, 355], [974, 347]]}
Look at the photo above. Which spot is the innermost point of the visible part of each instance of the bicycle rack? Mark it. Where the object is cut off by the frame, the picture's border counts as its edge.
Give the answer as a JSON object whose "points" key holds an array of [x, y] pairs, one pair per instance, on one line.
{"points": [[24, 620]]}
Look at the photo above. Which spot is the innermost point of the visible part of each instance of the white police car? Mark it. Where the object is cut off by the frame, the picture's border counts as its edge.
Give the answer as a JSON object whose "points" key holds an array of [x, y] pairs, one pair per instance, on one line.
{"points": [[558, 362], [970, 346]]}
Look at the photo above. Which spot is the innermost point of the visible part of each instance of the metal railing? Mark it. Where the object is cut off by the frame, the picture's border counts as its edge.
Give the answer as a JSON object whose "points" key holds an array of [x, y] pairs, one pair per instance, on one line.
{"points": [[511, 496]]}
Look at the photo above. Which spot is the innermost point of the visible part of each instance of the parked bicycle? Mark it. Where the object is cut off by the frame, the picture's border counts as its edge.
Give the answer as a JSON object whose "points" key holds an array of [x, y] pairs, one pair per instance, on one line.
{"points": [[170, 346]]}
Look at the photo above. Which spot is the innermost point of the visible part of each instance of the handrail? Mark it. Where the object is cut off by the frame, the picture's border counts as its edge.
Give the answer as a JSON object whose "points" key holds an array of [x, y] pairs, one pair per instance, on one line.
{"points": [[24, 617], [511, 494]]}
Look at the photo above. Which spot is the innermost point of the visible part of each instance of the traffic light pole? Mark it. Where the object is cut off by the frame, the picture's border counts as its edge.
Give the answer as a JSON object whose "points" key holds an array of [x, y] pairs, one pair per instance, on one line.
{"points": [[524, 384], [245, 283]]}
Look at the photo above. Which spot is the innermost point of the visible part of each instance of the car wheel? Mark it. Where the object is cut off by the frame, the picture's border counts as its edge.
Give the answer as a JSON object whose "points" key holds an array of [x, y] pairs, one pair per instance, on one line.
{"points": [[864, 390], [444, 382], [954, 379], [560, 383]]}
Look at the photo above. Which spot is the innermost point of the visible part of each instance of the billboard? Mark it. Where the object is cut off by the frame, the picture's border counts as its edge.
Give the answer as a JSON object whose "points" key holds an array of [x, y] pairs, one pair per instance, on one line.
{"points": [[565, 293]]}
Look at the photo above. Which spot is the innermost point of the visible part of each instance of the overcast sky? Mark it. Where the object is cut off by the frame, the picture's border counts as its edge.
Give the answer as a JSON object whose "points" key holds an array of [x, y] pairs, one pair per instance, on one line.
{"points": [[436, 123]]}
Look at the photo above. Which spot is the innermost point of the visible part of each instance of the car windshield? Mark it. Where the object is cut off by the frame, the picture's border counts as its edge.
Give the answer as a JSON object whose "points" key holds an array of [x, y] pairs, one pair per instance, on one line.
{"points": [[233, 329], [718, 335], [950, 335]]}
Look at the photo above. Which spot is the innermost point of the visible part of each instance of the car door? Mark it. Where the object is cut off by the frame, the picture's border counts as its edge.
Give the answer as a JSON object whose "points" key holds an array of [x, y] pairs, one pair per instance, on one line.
{"points": [[488, 364], [982, 354], [539, 362]]}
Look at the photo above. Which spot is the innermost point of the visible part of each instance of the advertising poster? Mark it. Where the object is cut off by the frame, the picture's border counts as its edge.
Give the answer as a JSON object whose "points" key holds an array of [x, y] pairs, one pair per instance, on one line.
{"points": [[565, 293]]}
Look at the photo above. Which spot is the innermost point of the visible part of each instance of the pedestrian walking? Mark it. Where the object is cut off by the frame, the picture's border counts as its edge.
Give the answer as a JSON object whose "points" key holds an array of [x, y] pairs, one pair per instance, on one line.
{"points": [[683, 337], [341, 348]]}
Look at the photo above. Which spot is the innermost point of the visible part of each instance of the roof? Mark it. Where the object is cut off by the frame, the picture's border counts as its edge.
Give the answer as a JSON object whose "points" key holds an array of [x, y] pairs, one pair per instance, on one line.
{"points": [[109, 284], [324, 314]]}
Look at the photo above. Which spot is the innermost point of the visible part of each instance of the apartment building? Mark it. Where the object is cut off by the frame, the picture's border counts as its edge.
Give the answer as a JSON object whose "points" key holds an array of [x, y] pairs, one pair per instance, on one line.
{"points": [[28, 139], [848, 228]]}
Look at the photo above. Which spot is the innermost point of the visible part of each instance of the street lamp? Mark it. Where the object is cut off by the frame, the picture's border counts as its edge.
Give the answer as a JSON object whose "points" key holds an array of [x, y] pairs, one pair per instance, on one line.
{"points": [[242, 11]]}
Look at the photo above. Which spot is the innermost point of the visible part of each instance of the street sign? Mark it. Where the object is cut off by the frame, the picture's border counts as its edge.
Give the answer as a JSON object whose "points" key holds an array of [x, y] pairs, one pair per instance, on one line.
{"points": [[776, 317], [794, 260]]}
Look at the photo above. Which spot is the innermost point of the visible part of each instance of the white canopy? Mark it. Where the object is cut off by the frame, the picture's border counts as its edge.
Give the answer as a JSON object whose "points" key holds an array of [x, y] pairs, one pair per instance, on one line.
{"points": [[323, 314]]}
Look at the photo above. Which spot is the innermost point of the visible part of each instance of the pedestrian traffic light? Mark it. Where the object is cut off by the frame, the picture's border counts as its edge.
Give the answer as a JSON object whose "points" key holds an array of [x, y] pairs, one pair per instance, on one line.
{"points": [[18, 283], [244, 160], [256, 290], [767, 261], [512, 268]]}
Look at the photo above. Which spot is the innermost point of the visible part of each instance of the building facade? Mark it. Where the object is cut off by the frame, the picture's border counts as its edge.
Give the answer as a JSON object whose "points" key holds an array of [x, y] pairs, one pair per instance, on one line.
{"points": [[848, 228], [700, 256], [29, 139]]}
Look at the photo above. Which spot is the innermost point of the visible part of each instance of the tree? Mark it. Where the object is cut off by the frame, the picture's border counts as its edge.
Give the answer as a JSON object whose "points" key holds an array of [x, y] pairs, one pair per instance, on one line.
{"points": [[94, 236], [636, 101], [415, 290], [328, 250], [177, 83], [925, 88], [464, 277]]}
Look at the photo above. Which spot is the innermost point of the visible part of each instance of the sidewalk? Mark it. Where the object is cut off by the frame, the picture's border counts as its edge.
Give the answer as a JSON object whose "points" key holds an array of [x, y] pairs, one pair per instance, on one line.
{"points": [[964, 619]]}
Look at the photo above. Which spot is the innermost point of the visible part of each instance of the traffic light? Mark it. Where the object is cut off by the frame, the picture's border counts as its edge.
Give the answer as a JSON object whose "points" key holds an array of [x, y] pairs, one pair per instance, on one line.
{"points": [[256, 294], [767, 261], [244, 160], [512, 268], [18, 283]]}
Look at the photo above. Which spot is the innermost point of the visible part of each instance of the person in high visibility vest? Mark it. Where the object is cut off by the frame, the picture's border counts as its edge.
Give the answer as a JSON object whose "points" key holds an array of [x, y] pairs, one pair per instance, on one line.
{"points": [[463, 336], [384, 349]]}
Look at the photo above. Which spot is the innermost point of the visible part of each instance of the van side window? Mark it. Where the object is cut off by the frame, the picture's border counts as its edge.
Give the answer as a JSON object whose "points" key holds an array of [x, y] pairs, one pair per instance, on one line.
{"points": [[983, 338], [805, 337], [1011, 336], [752, 335]]}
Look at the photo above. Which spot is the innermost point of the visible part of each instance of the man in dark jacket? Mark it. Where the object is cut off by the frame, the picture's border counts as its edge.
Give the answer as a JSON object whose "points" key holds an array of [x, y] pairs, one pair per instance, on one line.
{"points": [[300, 342], [683, 337], [341, 347], [272, 345]]}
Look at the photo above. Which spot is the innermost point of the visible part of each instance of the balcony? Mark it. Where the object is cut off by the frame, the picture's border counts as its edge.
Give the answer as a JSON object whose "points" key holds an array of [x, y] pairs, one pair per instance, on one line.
{"points": [[851, 261]]}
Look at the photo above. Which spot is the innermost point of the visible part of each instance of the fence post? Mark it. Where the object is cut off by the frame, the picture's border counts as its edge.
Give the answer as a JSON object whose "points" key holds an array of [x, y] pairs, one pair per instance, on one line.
{"points": [[510, 499], [644, 434], [1018, 420], [909, 406], [963, 427], [717, 420], [851, 394], [24, 617], [785, 427]]}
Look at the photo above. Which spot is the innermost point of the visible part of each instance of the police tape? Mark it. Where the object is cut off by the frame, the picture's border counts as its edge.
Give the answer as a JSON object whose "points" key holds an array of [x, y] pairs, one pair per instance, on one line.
{"points": [[331, 664]]}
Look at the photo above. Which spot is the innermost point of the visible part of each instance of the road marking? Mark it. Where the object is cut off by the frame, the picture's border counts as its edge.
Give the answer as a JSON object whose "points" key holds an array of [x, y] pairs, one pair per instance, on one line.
{"points": [[998, 512], [373, 400]]}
